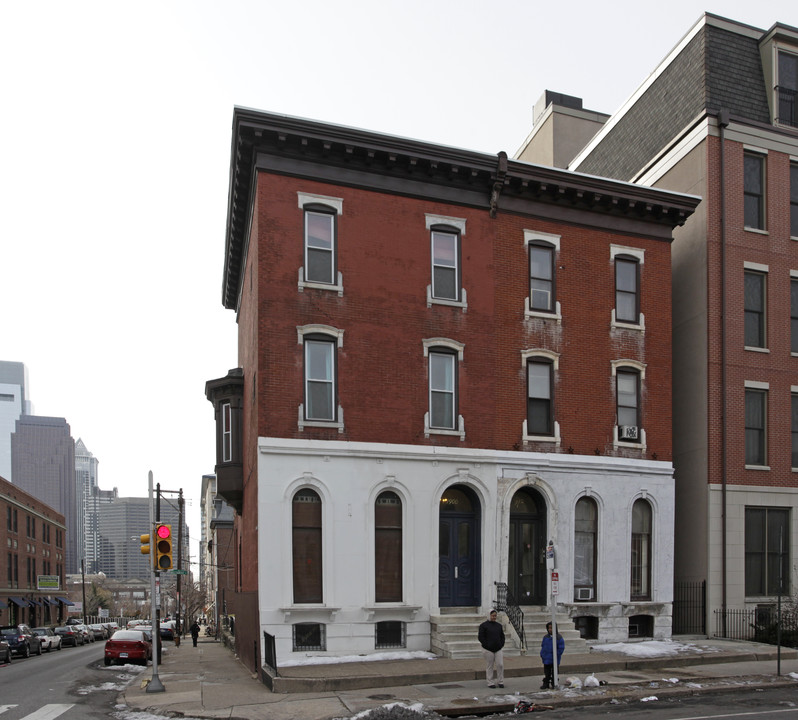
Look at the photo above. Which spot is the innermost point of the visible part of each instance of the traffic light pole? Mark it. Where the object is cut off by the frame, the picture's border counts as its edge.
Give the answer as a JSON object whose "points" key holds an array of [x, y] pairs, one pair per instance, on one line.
{"points": [[154, 685]]}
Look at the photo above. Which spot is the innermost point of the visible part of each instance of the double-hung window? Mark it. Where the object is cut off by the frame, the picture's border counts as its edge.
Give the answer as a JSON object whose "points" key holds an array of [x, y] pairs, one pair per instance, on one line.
{"points": [[445, 264], [320, 399], [627, 290], [754, 300], [541, 277], [442, 418], [628, 404], [319, 244], [756, 426], [794, 427], [794, 200], [767, 554], [227, 433], [794, 314], [540, 397], [446, 238], [754, 191], [442, 389]]}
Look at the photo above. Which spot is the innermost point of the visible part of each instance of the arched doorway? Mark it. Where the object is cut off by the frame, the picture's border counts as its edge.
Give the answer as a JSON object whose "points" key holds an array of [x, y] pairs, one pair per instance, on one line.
{"points": [[526, 559], [459, 548]]}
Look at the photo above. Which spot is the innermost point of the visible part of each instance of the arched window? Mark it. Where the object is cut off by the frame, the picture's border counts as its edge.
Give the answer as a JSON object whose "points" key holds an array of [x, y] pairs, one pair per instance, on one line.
{"points": [[320, 243], [585, 532], [306, 546], [388, 548], [641, 551]]}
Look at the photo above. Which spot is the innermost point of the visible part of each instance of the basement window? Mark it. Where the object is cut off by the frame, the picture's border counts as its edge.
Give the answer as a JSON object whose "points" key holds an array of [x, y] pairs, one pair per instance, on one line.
{"points": [[309, 636], [390, 634]]}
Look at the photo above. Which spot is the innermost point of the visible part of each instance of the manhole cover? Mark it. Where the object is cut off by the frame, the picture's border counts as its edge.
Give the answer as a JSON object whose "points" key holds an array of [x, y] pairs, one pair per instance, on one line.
{"points": [[381, 697]]}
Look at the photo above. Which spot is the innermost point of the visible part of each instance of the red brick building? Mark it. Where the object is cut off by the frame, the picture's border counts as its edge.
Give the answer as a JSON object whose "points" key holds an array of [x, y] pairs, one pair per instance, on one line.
{"points": [[32, 577], [718, 118], [447, 359]]}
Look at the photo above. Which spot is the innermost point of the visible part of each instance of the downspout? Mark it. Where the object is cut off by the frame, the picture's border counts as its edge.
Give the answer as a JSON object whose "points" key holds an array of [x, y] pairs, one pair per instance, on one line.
{"points": [[723, 122]]}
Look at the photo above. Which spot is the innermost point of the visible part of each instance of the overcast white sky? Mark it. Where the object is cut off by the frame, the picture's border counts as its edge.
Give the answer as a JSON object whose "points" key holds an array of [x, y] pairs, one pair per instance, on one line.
{"points": [[115, 149]]}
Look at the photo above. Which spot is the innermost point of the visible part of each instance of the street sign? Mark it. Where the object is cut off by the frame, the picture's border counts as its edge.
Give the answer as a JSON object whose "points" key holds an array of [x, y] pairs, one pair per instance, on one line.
{"points": [[178, 571], [555, 583]]}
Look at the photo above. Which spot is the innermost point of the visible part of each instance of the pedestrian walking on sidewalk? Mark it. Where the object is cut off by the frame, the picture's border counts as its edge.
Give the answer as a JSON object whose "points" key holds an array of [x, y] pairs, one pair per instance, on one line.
{"points": [[491, 637], [194, 630], [547, 655]]}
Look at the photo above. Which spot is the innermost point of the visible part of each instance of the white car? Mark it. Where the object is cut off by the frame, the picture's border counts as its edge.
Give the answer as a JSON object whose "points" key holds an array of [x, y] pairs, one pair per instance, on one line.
{"points": [[49, 640]]}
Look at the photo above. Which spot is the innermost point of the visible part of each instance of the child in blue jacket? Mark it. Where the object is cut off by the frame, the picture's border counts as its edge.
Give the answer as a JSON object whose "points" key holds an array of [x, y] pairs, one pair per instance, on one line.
{"points": [[547, 655]]}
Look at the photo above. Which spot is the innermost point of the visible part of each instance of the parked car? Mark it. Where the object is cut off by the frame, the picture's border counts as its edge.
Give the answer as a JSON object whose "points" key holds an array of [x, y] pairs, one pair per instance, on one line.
{"points": [[21, 640], [5, 651], [48, 638], [128, 646], [70, 635], [111, 628], [168, 630], [98, 631], [134, 624], [87, 635]]}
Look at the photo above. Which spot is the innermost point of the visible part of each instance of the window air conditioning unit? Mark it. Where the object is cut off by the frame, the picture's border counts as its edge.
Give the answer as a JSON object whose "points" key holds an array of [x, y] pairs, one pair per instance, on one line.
{"points": [[584, 593], [627, 432]]}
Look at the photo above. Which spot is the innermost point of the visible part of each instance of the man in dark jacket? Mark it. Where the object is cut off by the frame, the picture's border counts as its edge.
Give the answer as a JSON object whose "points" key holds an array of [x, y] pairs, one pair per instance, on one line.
{"points": [[491, 637], [547, 656]]}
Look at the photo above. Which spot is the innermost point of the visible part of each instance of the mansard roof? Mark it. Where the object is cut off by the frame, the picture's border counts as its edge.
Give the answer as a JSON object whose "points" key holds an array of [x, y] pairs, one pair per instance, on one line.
{"points": [[357, 158], [717, 65]]}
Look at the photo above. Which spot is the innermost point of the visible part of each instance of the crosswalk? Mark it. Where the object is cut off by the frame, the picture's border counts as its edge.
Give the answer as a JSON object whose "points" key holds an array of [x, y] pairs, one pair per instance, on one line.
{"points": [[46, 712]]}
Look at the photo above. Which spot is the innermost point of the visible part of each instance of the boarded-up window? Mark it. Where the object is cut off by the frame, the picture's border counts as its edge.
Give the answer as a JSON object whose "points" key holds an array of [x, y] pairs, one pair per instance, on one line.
{"points": [[306, 541], [388, 548]]}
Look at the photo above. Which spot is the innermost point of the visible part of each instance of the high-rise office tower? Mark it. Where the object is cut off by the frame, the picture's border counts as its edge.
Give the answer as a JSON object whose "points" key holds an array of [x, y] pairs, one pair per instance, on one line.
{"points": [[43, 464], [86, 466], [13, 404]]}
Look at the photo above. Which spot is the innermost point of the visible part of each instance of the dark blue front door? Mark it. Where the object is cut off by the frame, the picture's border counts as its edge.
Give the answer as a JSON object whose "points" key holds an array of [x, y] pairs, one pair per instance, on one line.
{"points": [[458, 549]]}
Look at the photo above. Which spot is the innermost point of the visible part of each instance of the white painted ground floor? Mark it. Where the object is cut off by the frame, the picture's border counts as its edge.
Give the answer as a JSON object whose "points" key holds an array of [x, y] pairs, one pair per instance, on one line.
{"points": [[360, 544]]}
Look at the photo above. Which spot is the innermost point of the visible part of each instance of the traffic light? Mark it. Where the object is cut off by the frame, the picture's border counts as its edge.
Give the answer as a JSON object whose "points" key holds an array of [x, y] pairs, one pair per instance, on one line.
{"points": [[163, 547], [145, 544]]}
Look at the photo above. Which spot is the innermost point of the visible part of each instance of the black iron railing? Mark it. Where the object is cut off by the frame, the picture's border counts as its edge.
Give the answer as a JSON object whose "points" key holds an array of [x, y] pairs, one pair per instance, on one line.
{"points": [[690, 608], [506, 603], [760, 624], [269, 652]]}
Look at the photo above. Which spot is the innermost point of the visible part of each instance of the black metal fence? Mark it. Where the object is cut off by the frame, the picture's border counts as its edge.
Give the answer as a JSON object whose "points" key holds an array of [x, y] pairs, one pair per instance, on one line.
{"points": [[506, 603], [690, 608], [760, 624], [269, 652]]}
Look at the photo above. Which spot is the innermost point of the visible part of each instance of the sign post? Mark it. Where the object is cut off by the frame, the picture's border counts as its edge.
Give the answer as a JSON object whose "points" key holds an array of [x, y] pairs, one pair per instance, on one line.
{"points": [[555, 590]]}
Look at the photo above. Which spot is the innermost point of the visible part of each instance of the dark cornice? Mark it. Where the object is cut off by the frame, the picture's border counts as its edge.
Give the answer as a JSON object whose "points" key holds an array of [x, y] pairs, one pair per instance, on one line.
{"points": [[357, 158]]}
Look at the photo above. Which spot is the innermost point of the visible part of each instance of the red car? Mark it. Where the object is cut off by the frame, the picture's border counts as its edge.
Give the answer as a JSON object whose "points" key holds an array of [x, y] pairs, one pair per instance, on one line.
{"points": [[128, 646]]}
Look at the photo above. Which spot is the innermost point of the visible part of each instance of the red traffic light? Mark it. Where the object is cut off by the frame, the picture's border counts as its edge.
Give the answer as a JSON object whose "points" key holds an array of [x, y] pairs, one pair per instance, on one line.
{"points": [[164, 531]]}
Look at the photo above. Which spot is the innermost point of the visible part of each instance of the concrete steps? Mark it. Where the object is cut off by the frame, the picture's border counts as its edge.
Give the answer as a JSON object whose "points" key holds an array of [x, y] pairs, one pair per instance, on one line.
{"points": [[453, 633]]}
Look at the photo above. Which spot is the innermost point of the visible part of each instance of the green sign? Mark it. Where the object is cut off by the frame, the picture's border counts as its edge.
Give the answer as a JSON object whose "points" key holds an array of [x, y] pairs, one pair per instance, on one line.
{"points": [[48, 582], [178, 571]]}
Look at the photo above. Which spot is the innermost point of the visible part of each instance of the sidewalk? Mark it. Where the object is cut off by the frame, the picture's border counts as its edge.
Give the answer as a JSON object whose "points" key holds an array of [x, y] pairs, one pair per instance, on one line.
{"points": [[209, 682]]}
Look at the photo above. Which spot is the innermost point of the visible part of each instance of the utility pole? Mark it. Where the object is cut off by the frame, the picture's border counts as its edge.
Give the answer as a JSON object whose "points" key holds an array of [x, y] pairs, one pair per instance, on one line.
{"points": [[156, 625], [154, 685], [178, 625], [83, 587]]}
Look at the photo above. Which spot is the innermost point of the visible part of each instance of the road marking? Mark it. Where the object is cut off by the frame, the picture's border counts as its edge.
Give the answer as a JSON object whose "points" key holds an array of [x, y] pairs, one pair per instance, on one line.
{"points": [[735, 715], [49, 712]]}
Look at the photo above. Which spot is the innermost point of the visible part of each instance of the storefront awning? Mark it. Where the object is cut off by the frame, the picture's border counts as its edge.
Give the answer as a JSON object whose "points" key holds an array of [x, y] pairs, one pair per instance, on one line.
{"points": [[34, 601], [64, 600], [48, 601], [21, 602]]}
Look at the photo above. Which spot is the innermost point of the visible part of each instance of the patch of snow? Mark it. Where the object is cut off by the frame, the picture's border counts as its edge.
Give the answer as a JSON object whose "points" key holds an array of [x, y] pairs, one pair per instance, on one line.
{"points": [[649, 698], [324, 660], [793, 675], [670, 680], [652, 648], [394, 711]]}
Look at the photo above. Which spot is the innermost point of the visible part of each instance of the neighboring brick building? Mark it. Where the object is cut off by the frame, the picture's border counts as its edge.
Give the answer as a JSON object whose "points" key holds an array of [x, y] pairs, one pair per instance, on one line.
{"points": [[446, 359], [32, 538], [718, 118]]}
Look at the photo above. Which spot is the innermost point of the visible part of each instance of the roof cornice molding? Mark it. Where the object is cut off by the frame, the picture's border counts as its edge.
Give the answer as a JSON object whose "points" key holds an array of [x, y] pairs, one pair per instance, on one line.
{"points": [[357, 158]]}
